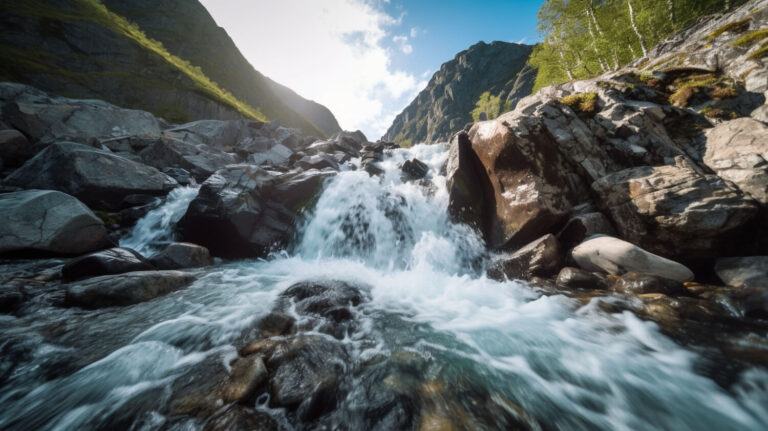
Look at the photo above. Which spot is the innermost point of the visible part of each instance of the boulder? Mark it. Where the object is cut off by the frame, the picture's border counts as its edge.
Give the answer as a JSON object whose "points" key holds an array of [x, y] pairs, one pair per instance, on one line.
{"points": [[182, 176], [534, 188], [469, 191], [318, 161], [241, 418], [48, 221], [125, 289], [414, 169], [99, 178], [105, 262], [738, 151], [180, 255], [676, 211], [245, 211], [540, 258], [277, 155], [199, 159], [750, 271], [15, 149], [46, 119], [604, 253], [581, 226], [637, 283], [575, 278]]}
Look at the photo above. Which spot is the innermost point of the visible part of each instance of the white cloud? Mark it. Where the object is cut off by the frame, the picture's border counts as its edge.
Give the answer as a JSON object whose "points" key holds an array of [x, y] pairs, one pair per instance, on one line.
{"points": [[330, 51], [416, 31]]}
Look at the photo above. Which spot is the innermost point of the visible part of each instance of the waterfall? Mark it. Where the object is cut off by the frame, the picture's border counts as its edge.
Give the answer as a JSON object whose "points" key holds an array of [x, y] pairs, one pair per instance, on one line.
{"points": [[155, 230]]}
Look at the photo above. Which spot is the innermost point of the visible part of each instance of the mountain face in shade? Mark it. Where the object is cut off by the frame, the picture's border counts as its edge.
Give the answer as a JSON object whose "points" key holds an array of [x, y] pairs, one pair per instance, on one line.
{"points": [[479, 83], [169, 58]]}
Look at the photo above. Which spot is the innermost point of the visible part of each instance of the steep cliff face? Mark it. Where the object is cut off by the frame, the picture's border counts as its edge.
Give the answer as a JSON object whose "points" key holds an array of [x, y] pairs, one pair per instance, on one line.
{"points": [[479, 83], [168, 58]]}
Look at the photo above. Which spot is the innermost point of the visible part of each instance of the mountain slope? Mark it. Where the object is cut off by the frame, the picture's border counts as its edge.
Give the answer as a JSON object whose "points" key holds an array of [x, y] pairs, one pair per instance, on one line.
{"points": [[186, 28], [82, 49], [479, 83]]}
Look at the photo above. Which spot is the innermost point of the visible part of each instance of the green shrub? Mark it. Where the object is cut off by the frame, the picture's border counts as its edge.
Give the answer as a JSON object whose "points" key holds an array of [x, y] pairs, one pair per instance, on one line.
{"points": [[488, 104], [581, 103]]}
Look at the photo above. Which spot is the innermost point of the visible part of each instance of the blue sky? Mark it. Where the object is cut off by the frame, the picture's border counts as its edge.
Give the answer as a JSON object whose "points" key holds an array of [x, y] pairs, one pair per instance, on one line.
{"points": [[366, 59]]}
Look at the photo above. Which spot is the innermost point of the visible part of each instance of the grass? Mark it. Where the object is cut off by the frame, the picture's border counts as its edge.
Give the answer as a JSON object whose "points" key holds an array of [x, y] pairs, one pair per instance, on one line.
{"points": [[722, 93], [682, 97], [581, 103], [760, 53], [732, 27], [723, 114], [751, 38], [94, 11]]}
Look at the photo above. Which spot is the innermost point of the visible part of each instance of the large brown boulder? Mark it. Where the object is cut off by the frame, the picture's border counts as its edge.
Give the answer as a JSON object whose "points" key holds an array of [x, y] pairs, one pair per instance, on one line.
{"points": [[677, 212], [541, 258], [98, 178], [738, 151], [47, 221], [467, 185], [534, 188]]}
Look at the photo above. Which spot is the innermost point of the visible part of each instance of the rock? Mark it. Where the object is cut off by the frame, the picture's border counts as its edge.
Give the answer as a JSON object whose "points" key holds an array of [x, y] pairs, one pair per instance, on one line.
{"points": [[575, 278], [10, 298], [469, 191], [675, 211], [318, 161], [181, 255], [637, 283], [738, 151], [49, 222], [582, 226], [533, 186], [199, 159], [46, 119], [540, 258], [350, 143], [414, 169], [276, 324], [245, 211], [125, 289], [608, 254], [182, 176], [241, 418], [99, 178], [15, 149], [277, 155], [105, 262], [751, 271]]}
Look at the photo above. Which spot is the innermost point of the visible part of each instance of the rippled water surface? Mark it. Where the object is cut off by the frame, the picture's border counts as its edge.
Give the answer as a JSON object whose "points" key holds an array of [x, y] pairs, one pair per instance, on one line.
{"points": [[568, 365]]}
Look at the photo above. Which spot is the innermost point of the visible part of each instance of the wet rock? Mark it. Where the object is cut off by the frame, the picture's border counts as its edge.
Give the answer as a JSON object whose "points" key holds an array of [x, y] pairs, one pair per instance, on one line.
{"points": [[125, 289], [575, 278], [209, 385], [675, 211], [47, 221], [540, 258], [275, 324], [751, 271], [182, 176], [414, 169], [180, 255], [469, 192], [98, 178], [318, 161], [105, 262], [738, 151], [299, 191], [534, 187], [241, 418], [371, 155], [638, 283], [582, 226], [46, 119], [614, 256], [15, 149], [350, 143], [10, 298]]}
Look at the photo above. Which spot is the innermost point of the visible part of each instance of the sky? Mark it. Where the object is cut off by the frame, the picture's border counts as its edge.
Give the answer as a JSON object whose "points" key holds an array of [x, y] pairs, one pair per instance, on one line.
{"points": [[366, 59]]}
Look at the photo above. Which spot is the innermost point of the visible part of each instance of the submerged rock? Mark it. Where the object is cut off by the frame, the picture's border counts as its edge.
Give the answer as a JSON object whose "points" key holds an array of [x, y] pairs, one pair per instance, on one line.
{"points": [[99, 178], [47, 221], [540, 258], [636, 283], [575, 278], [614, 256], [414, 169], [180, 255], [125, 289], [105, 262], [751, 271]]}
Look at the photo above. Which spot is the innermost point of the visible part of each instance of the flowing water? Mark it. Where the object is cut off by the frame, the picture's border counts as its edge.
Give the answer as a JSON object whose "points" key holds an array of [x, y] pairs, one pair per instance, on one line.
{"points": [[567, 365]]}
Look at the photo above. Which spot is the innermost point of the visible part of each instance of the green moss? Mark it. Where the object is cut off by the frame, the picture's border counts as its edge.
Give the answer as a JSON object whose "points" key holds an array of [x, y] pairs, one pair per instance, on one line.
{"points": [[751, 38], [581, 103], [107, 218], [732, 27], [644, 77], [760, 53]]}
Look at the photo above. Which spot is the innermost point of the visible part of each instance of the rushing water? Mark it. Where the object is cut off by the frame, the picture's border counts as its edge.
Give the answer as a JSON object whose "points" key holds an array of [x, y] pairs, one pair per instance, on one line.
{"points": [[570, 366]]}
